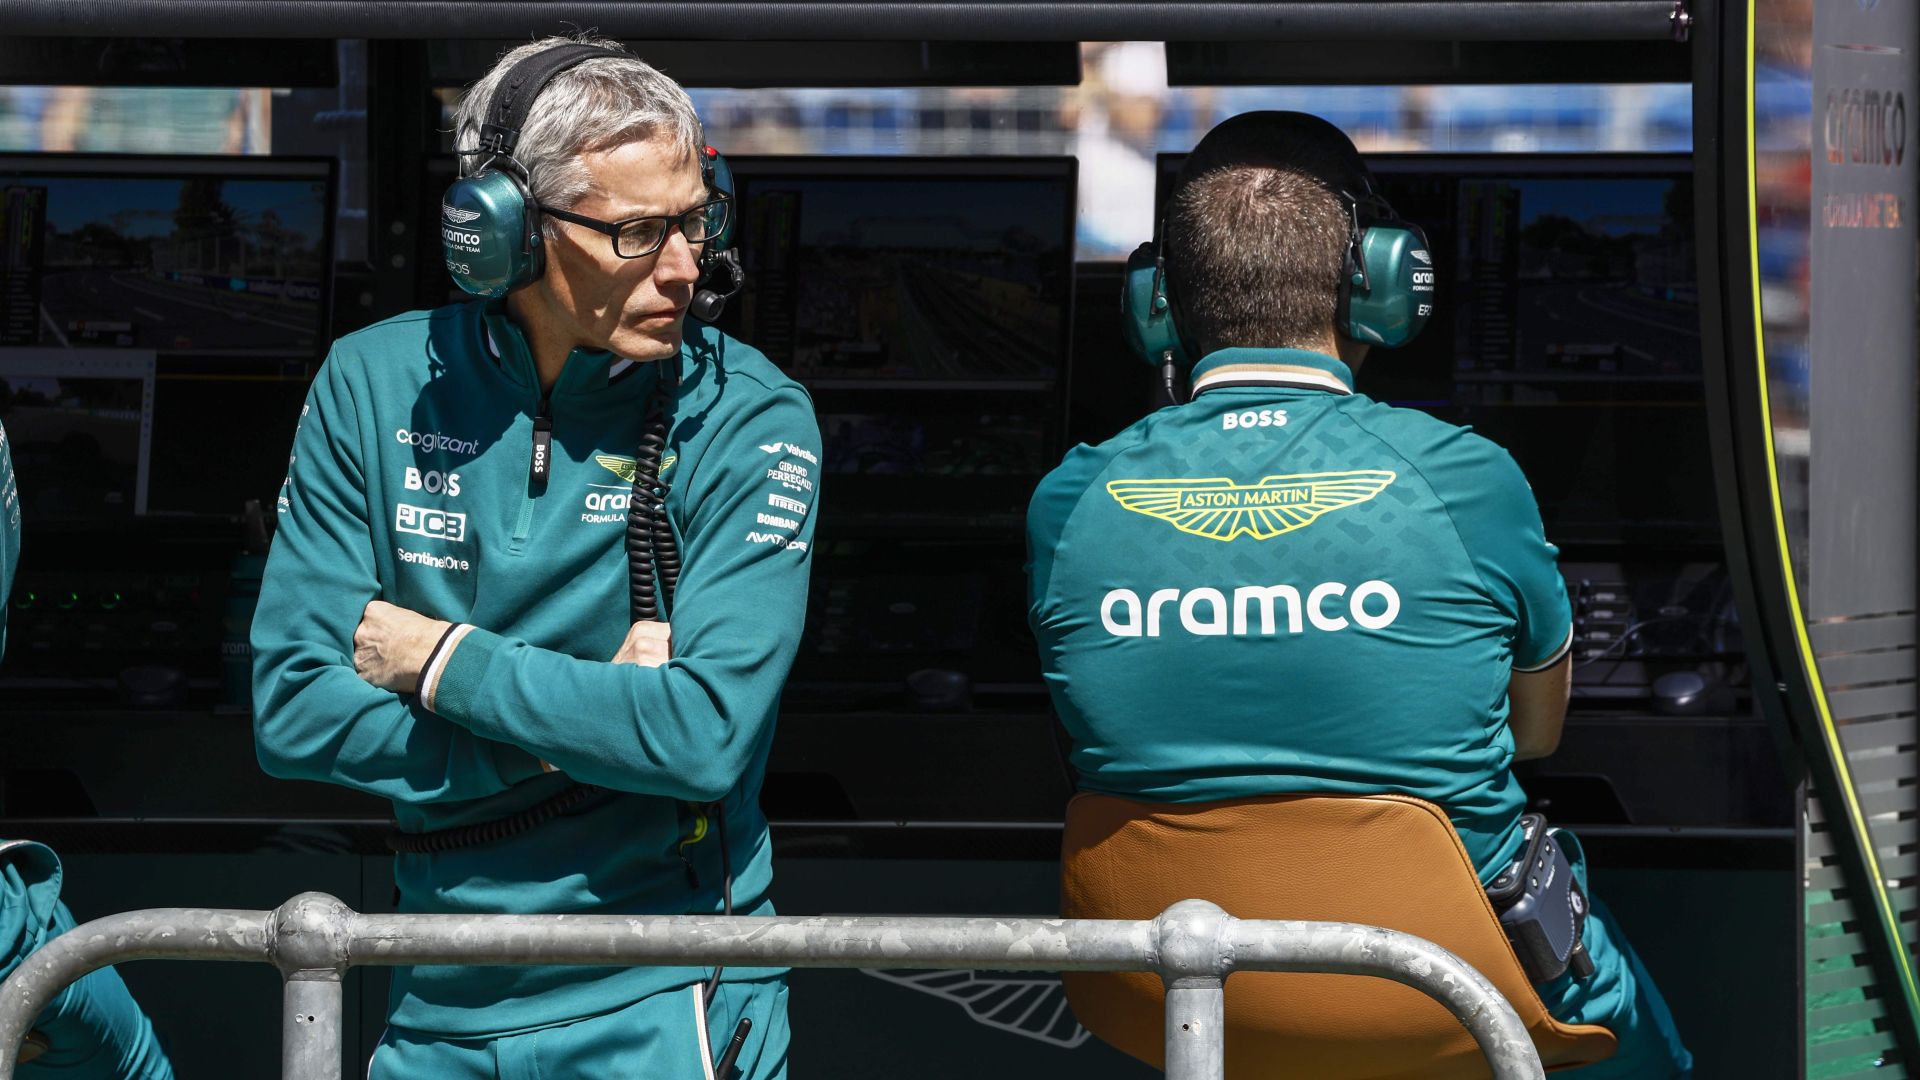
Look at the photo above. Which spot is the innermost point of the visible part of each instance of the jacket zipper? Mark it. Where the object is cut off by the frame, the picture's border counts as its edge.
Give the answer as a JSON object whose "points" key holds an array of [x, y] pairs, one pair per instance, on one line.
{"points": [[539, 469]]}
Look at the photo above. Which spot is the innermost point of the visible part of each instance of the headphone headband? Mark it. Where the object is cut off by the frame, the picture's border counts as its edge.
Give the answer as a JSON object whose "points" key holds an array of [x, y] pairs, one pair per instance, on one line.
{"points": [[513, 95]]}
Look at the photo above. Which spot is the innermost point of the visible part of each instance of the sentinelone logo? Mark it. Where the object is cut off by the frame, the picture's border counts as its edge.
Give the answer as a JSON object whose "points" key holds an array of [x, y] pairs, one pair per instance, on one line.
{"points": [[438, 562]]}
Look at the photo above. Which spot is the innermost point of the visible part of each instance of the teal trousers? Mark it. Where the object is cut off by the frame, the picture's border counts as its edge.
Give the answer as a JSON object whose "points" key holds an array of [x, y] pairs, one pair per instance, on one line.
{"points": [[1620, 996], [667, 1036]]}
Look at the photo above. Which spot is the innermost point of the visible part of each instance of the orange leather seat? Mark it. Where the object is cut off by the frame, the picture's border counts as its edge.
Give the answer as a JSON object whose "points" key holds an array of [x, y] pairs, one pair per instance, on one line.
{"points": [[1382, 860]]}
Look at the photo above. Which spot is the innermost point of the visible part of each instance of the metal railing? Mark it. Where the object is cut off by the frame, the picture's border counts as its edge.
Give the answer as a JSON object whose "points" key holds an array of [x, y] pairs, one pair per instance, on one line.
{"points": [[1193, 945]]}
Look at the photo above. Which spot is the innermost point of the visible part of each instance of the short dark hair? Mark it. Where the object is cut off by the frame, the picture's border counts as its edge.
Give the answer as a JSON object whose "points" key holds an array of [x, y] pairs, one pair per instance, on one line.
{"points": [[1256, 233]]}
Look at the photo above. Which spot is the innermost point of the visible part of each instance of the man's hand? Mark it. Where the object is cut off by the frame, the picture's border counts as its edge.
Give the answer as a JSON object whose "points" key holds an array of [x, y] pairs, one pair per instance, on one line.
{"points": [[392, 644], [648, 644]]}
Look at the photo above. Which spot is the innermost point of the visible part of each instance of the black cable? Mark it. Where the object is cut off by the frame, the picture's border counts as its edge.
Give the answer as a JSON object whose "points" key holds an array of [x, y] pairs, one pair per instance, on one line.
{"points": [[1627, 635]]}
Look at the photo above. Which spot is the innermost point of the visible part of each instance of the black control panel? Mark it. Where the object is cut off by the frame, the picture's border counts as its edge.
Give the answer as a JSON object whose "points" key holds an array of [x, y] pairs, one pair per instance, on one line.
{"points": [[1634, 623]]}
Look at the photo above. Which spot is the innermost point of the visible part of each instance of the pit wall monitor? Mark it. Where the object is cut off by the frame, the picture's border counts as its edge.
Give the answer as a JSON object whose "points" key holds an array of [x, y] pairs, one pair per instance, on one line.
{"points": [[927, 304], [80, 425], [210, 256]]}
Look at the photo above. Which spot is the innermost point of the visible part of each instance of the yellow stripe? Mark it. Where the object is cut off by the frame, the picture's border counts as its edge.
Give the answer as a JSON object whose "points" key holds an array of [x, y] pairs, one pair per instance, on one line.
{"points": [[1807, 659], [699, 832]]}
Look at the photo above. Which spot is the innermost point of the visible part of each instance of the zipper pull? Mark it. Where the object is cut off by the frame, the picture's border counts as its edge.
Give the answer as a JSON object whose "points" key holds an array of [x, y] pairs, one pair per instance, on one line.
{"points": [[542, 443]]}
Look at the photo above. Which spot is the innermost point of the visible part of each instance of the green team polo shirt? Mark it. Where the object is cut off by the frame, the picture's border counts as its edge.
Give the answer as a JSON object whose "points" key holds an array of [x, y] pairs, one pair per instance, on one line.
{"points": [[1285, 586]]}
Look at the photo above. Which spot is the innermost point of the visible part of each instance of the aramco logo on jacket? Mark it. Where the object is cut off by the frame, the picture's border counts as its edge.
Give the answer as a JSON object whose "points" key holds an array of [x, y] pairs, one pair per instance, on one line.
{"points": [[1220, 509]]}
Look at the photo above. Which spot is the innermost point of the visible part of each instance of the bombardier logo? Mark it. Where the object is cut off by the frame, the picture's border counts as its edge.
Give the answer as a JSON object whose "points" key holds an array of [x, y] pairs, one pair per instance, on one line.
{"points": [[456, 216], [427, 521], [1220, 509], [1206, 612]]}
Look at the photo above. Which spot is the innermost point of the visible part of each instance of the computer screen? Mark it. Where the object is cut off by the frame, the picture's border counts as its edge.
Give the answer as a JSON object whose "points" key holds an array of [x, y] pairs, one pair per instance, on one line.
{"points": [[887, 271], [80, 424], [203, 255], [1566, 329], [926, 303]]}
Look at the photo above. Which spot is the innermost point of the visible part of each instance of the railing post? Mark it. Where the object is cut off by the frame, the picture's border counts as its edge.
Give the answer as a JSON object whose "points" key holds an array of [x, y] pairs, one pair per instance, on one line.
{"points": [[311, 945], [1193, 952], [310, 1027], [1196, 1029]]}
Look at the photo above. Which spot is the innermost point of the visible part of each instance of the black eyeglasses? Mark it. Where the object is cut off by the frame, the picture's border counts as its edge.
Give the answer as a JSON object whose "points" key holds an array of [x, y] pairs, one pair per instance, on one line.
{"points": [[636, 238]]}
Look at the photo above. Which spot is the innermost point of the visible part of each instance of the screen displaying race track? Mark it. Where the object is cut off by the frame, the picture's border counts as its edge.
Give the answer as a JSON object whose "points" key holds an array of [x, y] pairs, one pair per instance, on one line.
{"points": [[891, 271], [208, 256], [1585, 274], [80, 426]]}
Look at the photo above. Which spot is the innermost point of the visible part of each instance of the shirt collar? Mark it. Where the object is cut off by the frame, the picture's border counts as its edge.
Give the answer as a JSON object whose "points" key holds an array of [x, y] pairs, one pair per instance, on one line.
{"points": [[1300, 368], [586, 370]]}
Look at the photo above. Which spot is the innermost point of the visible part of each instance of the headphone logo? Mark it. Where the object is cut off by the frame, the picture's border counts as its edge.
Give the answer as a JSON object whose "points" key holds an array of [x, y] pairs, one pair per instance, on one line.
{"points": [[456, 216]]}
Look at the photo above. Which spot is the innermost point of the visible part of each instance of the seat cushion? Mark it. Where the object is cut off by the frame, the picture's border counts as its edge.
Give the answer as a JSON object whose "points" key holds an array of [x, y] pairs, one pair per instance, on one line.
{"points": [[1380, 860]]}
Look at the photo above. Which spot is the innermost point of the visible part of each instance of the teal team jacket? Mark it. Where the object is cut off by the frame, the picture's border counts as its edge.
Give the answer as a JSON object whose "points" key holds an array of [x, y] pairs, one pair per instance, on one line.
{"points": [[1285, 586], [410, 482], [9, 532]]}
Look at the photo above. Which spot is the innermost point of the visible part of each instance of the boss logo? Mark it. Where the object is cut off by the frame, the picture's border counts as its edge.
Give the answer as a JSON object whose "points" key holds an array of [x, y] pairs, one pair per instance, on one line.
{"points": [[432, 481], [1252, 419], [426, 521]]}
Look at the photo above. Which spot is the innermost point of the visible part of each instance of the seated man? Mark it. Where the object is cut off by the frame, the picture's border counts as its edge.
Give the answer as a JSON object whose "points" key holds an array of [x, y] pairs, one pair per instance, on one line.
{"points": [[1386, 617], [93, 1030]]}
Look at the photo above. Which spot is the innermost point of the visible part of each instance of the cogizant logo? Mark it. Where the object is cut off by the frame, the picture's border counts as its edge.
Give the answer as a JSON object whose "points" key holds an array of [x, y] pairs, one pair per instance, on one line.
{"points": [[1121, 609], [433, 440]]}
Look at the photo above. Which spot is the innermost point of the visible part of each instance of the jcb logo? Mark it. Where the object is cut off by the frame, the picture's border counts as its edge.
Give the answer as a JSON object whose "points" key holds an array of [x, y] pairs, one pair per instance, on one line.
{"points": [[426, 521]]}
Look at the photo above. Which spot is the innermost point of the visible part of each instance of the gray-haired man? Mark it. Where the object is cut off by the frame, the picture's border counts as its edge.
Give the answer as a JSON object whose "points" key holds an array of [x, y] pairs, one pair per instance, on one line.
{"points": [[450, 581]]}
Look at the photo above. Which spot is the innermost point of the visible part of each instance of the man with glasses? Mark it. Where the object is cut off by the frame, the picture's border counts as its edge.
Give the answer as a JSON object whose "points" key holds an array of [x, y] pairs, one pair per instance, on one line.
{"points": [[449, 584]]}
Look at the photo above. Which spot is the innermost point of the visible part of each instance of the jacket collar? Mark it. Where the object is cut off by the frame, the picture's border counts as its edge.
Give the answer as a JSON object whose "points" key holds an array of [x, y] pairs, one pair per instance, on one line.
{"points": [[586, 370]]}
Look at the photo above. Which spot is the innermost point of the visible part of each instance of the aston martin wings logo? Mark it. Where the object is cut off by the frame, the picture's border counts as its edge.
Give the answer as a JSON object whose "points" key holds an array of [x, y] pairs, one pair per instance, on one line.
{"points": [[624, 468], [1030, 1004], [456, 215], [1219, 509]]}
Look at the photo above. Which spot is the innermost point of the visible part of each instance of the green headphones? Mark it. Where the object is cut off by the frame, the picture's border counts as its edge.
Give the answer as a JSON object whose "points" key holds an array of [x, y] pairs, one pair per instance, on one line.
{"points": [[490, 223], [1386, 286]]}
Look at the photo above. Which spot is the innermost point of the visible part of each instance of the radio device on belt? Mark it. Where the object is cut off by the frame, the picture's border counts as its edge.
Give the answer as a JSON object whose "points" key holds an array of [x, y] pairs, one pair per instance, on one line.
{"points": [[1542, 907]]}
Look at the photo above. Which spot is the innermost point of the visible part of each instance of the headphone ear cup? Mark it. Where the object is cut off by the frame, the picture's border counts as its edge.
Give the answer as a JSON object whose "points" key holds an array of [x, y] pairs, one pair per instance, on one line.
{"points": [[490, 233], [1146, 312], [719, 177], [1397, 300]]}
